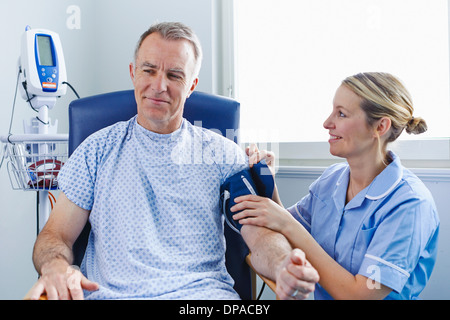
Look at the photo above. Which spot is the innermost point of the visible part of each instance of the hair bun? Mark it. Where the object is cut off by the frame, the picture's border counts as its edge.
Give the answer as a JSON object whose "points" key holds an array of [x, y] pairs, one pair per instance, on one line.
{"points": [[416, 126]]}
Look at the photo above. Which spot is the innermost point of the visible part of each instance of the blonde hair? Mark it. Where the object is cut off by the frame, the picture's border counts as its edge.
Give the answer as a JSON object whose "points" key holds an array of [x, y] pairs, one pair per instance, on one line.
{"points": [[384, 95]]}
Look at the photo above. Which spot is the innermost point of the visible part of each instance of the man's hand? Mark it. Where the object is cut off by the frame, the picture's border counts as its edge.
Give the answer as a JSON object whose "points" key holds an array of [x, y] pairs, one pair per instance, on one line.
{"points": [[296, 278], [63, 283], [53, 253]]}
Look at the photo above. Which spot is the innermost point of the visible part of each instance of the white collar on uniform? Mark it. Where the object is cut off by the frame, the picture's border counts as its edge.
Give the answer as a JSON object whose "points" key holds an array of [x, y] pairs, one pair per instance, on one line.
{"points": [[380, 187], [387, 180]]}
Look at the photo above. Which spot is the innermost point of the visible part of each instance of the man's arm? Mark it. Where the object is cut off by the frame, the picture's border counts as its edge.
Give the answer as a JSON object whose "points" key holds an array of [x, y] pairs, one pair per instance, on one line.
{"points": [[52, 255], [268, 249], [272, 255], [274, 258]]}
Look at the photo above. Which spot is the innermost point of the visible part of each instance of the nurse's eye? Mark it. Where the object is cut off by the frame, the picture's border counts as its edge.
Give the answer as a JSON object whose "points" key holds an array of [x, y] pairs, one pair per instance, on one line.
{"points": [[341, 114]]}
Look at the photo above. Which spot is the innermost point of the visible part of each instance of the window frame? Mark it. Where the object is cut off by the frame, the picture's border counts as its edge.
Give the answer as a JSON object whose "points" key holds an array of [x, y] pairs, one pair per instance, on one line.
{"points": [[420, 153]]}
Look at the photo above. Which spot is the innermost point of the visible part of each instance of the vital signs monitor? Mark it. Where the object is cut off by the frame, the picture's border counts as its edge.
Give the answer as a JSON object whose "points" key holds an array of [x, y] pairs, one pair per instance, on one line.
{"points": [[42, 66]]}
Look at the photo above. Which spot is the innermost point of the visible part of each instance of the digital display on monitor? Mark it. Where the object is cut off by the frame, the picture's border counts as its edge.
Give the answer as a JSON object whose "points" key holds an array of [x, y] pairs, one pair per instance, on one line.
{"points": [[45, 51]]}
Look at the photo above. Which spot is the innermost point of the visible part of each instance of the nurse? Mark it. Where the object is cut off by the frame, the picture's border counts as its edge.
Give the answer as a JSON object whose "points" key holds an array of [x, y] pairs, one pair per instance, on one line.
{"points": [[369, 226]]}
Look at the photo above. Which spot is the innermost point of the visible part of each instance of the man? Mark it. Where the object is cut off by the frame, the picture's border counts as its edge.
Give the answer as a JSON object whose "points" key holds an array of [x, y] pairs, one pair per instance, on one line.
{"points": [[154, 214]]}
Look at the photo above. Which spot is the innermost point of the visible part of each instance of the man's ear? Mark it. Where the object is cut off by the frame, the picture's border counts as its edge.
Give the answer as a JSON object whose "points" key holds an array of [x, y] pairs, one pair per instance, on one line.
{"points": [[132, 72], [383, 126], [193, 86]]}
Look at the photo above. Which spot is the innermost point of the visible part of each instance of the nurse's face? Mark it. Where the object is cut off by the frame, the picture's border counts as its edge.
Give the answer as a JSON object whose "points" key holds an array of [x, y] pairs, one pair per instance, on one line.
{"points": [[163, 78], [350, 134]]}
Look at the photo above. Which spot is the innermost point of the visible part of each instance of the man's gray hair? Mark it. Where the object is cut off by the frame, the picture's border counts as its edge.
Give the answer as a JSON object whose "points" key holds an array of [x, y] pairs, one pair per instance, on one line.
{"points": [[175, 31]]}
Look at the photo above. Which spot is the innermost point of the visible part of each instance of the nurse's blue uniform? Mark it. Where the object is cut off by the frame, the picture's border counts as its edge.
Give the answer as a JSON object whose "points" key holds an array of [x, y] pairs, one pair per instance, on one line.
{"points": [[388, 232]]}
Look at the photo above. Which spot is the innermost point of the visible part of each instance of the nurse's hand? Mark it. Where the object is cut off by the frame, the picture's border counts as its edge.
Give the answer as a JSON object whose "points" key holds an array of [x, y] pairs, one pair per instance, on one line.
{"points": [[262, 212], [296, 278]]}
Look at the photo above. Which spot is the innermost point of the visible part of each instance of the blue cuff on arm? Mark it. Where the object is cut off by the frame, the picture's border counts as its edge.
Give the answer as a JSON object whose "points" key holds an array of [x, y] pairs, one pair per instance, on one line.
{"points": [[258, 181]]}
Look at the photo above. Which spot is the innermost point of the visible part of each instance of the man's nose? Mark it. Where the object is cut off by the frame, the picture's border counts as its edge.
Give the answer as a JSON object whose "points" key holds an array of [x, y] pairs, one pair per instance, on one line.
{"points": [[159, 83]]}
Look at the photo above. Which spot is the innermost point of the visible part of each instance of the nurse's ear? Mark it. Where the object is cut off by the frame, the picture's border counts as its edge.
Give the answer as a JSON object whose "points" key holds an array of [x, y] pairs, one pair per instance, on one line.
{"points": [[382, 126]]}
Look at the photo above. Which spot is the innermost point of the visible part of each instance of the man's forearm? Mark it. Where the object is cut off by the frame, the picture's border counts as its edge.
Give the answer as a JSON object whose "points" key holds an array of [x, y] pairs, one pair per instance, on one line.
{"points": [[268, 248], [63, 227], [48, 248]]}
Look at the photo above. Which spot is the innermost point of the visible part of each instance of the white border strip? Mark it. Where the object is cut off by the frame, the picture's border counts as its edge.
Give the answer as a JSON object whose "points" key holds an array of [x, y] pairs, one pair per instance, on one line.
{"points": [[301, 217], [425, 149], [387, 192], [393, 266], [308, 172]]}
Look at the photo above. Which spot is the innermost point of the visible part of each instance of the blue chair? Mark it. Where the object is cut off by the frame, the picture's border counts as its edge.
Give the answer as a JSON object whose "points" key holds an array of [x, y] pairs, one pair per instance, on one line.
{"points": [[91, 114]]}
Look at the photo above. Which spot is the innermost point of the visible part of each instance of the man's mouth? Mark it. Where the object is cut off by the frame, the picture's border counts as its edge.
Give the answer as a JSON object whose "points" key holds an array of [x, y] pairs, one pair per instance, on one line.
{"points": [[156, 100]]}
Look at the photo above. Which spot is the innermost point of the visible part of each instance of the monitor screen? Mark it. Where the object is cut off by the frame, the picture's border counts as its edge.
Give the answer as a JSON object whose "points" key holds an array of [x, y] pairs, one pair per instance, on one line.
{"points": [[45, 51]]}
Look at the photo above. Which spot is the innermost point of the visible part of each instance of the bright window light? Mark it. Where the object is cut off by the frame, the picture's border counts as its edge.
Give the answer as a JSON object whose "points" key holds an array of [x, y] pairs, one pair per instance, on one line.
{"points": [[292, 55]]}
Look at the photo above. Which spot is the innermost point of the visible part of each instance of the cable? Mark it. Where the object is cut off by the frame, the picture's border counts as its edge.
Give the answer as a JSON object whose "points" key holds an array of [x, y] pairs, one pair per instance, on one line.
{"points": [[14, 102], [46, 123], [24, 84], [12, 115], [52, 199], [37, 213], [70, 86], [261, 291]]}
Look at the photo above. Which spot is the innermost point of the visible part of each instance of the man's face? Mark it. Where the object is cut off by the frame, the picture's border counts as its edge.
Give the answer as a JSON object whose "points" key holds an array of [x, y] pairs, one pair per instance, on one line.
{"points": [[163, 79]]}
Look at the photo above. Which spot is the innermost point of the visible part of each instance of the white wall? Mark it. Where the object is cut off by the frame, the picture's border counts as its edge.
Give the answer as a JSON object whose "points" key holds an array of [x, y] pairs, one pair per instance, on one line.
{"points": [[97, 57], [120, 23], [293, 183]]}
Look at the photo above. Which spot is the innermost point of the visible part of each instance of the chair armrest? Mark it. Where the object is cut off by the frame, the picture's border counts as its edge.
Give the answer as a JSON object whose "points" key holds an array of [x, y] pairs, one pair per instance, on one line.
{"points": [[42, 297], [270, 283]]}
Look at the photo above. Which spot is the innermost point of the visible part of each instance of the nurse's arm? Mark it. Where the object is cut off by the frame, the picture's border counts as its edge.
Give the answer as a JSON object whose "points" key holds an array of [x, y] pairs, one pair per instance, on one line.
{"points": [[335, 279]]}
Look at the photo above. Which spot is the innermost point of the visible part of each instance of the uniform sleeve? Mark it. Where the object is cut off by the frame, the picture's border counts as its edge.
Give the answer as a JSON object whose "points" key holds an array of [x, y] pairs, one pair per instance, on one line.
{"points": [[303, 210], [403, 242]]}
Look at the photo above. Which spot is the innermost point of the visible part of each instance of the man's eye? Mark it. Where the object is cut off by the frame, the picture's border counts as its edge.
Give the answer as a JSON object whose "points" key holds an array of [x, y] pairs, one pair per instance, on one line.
{"points": [[174, 76], [341, 114]]}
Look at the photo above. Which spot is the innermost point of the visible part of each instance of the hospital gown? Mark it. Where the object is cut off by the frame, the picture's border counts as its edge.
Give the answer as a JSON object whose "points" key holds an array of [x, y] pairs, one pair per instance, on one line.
{"points": [[157, 230]]}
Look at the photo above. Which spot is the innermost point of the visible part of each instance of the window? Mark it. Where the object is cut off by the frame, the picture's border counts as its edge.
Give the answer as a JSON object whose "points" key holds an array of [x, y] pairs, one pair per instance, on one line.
{"points": [[291, 55]]}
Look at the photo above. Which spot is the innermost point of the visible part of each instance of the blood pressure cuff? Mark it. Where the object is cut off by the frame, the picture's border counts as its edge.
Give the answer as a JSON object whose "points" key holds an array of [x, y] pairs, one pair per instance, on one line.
{"points": [[257, 180]]}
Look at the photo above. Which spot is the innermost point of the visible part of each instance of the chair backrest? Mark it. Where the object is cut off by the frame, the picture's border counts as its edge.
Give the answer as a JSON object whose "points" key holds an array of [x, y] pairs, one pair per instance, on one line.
{"points": [[91, 114]]}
